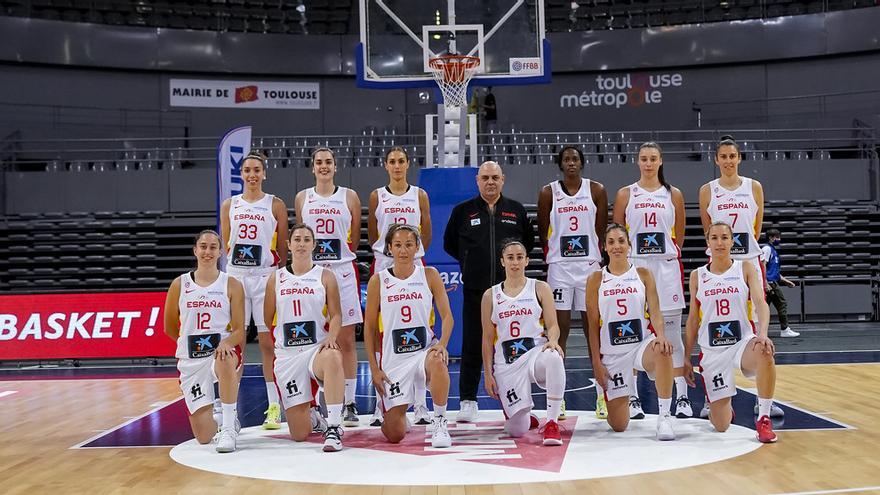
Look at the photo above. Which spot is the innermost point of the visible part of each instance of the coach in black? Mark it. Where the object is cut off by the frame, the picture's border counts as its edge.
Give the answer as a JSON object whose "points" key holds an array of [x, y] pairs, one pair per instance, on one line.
{"points": [[473, 236]]}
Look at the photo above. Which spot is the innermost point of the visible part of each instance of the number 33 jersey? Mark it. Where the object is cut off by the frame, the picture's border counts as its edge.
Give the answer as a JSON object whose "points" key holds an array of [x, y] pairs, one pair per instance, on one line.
{"points": [[252, 236]]}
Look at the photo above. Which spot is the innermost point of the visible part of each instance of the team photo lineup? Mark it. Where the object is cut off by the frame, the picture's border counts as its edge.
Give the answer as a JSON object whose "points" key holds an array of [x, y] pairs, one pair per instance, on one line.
{"points": [[622, 273], [437, 247]]}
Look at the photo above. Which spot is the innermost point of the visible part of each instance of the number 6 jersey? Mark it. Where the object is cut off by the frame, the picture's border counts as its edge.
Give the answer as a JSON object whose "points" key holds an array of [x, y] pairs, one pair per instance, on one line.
{"points": [[519, 323], [252, 236]]}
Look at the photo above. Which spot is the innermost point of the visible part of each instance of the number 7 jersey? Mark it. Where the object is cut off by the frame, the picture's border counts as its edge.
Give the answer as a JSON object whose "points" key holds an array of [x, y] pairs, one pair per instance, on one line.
{"points": [[253, 232], [738, 209]]}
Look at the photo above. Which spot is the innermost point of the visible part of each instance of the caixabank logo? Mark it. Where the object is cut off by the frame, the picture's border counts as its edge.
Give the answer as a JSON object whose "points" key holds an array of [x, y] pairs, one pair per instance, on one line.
{"points": [[626, 90]]}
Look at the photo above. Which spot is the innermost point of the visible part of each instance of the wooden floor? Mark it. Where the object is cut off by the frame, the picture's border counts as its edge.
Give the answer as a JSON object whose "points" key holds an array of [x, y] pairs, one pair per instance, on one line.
{"points": [[44, 418]]}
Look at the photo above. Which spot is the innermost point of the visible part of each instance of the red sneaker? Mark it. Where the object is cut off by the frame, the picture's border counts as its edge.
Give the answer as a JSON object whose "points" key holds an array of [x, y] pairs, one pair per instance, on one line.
{"points": [[765, 430], [551, 433], [533, 422]]}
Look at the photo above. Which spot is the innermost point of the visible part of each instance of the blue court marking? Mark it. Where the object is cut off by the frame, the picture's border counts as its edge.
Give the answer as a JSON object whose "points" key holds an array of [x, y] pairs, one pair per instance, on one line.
{"points": [[168, 425]]}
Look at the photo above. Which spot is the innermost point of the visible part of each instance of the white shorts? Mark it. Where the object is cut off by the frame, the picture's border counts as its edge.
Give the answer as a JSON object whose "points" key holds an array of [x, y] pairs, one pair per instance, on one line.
{"points": [[349, 292], [717, 366], [406, 374], [668, 278], [197, 378], [568, 280], [620, 368], [294, 374], [254, 295], [515, 382]]}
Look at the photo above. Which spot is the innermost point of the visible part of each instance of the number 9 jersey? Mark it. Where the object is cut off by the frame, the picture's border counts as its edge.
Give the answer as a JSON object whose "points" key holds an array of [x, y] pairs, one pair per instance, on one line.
{"points": [[253, 232]]}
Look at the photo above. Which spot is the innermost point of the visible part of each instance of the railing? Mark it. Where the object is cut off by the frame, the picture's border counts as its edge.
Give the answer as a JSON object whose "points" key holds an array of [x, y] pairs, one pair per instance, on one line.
{"points": [[368, 149]]}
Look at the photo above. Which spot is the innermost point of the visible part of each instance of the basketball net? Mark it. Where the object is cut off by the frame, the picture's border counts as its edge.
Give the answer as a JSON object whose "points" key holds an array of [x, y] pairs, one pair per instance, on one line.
{"points": [[453, 73]]}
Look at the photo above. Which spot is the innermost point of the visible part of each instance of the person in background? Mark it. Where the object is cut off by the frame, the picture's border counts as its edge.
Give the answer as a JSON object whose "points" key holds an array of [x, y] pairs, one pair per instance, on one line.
{"points": [[770, 259]]}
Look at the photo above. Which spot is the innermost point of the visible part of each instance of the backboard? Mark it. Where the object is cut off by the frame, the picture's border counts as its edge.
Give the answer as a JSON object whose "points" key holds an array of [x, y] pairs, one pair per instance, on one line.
{"points": [[399, 37]]}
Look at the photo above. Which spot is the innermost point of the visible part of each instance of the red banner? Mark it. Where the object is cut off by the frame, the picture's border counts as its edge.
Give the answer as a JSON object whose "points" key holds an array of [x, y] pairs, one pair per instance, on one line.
{"points": [[100, 325]]}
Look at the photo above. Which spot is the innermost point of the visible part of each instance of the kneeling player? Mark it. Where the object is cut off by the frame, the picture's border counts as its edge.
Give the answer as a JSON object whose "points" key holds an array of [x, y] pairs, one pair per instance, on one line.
{"points": [[521, 346], [400, 306], [720, 319], [204, 314], [622, 339], [302, 301]]}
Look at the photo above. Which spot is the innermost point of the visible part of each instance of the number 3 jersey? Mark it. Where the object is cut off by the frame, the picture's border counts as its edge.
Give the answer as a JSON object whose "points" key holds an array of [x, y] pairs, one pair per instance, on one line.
{"points": [[519, 322], [724, 306], [252, 236], [572, 235], [406, 315], [622, 315], [331, 220], [650, 221], [204, 316], [300, 311]]}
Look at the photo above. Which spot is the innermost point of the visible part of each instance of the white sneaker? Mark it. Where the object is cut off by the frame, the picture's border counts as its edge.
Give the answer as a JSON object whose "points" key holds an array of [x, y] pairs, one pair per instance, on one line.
{"points": [[333, 439], [226, 440], [664, 428], [319, 423], [683, 407], [704, 412], [635, 408], [421, 415], [440, 439], [788, 332], [467, 412], [775, 411]]}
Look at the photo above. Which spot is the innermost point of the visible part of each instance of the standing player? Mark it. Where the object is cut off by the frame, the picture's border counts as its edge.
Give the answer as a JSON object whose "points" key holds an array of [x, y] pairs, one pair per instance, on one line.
{"points": [[521, 347], [399, 327], [738, 202], [401, 203], [204, 314], [572, 214], [252, 224], [302, 302], [720, 319], [622, 338], [334, 213], [653, 212]]}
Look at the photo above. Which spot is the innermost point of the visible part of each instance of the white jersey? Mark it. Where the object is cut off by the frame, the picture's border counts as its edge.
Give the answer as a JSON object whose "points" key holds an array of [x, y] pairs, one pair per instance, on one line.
{"points": [[725, 307], [650, 221], [332, 222], [622, 312], [253, 234], [519, 322], [393, 209], [738, 209], [300, 310], [406, 315], [572, 235], [205, 314]]}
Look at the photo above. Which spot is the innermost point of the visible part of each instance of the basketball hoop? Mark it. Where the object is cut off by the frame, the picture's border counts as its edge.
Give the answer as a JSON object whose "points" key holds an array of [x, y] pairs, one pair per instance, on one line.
{"points": [[453, 73]]}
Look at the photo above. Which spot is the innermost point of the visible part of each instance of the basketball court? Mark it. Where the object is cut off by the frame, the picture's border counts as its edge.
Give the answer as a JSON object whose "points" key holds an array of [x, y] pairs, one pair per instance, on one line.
{"points": [[120, 428]]}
